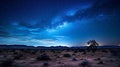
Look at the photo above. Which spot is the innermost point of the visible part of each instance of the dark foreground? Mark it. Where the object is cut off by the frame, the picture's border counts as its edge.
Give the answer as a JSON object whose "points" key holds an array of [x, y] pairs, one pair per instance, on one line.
{"points": [[72, 57]]}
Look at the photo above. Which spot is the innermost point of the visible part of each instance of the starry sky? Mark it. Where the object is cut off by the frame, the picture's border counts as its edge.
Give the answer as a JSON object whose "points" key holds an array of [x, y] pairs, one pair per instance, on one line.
{"points": [[59, 22]]}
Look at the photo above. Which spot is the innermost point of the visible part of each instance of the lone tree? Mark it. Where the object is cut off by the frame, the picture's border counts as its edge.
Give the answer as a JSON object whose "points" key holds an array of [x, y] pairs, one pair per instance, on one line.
{"points": [[92, 46]]}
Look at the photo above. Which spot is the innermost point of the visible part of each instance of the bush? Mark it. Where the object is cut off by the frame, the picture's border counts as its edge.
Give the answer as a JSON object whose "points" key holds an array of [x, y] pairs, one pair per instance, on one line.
{"points": [[85, 63], [74, 54], [100, 62], [74, 59], [97, 59], [75, 51], [45, 64], [18, 56], [115, 53], [7, 63], [66, 55], [33, 52], [43, 57]]}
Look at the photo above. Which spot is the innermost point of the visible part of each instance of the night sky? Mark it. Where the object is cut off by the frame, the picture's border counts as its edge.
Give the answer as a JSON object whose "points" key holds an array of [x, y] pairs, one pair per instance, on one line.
{"points": [[59, 22]]}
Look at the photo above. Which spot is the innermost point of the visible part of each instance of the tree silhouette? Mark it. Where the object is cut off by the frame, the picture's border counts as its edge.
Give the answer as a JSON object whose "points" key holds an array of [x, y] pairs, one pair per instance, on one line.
{"points": [[92, 46]]}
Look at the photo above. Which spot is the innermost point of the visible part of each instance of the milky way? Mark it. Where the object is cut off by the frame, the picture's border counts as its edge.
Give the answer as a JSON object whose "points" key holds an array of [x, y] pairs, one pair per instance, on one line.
{"points": [[59, 22]]}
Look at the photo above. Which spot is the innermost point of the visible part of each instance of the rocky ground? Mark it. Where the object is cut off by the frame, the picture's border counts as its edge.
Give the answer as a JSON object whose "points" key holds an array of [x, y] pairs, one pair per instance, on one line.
{"points": [[58, 58]]}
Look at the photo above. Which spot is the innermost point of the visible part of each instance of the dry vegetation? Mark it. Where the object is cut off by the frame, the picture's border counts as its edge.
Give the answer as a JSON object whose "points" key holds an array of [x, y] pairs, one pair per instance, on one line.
{"points": [[58, 58]]}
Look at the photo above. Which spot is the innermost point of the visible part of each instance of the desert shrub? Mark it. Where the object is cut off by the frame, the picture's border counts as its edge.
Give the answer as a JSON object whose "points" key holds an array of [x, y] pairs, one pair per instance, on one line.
{"points": [[66, 55], [105, 51], [42, 51], [53, 51], [25, 50], [0, 51], [18, 56], [100, 62], [7, 63], [43, 57], [111, 60], [45, 64], [76, 51], [97, 59], [85, 63], [81, 50], [74, 54], [33, 52], [74, 59], [67, 65], [58, 52], [15, 53], [84, 52], [57, 56], [115, 52], [60, 62]]}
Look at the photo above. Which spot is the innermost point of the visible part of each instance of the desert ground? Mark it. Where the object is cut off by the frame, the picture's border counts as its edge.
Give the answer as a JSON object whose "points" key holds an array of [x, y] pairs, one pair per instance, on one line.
{"points": [[59, 58]]}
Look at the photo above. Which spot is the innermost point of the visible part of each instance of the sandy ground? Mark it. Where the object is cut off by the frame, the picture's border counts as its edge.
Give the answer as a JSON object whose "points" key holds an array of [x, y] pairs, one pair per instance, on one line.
{"points": [[27, 58]]}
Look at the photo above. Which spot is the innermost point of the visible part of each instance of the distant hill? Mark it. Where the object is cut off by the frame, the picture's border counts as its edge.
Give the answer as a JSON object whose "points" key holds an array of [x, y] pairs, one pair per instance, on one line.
{"points": [[52, 47]]}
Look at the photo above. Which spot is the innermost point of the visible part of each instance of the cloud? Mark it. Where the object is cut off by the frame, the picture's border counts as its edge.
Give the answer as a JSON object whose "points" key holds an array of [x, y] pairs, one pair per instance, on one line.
{"points": [[27, 41], [13, 29], [4, 34], [98, 8], [47, 41], [103, 8], [60, 36], [41, 24], [38, 31], [32, 41]]}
